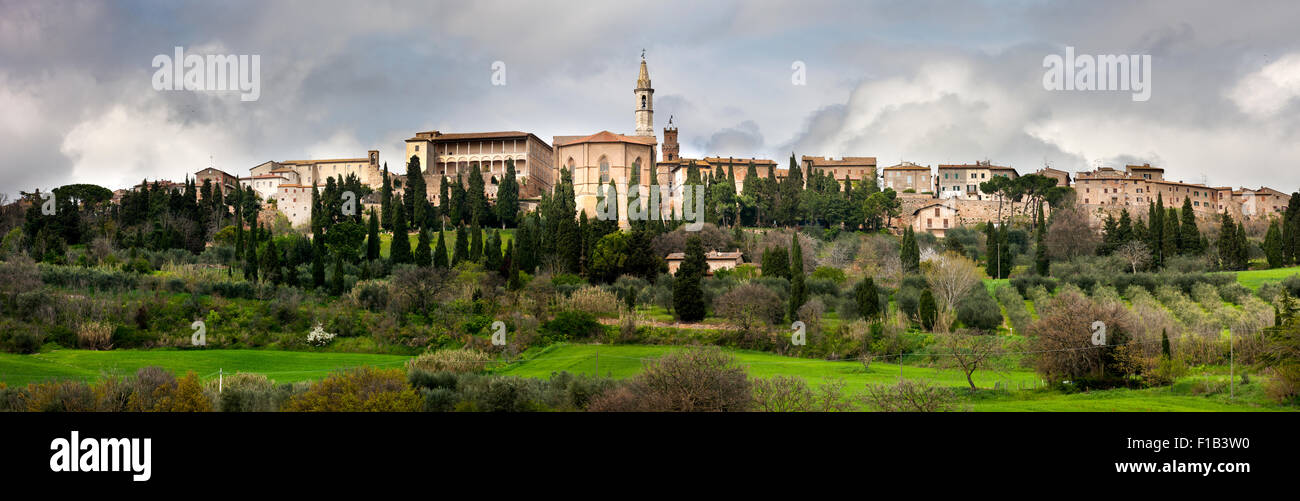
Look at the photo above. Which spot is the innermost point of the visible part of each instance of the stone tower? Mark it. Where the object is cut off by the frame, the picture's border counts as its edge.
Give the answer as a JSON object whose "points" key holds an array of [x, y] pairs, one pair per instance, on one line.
{"points": [[670, 146], [645, 106]]}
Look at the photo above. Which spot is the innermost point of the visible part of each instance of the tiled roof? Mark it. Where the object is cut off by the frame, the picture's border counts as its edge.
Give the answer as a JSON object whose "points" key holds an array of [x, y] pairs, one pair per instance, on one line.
{"points": [[605, 137]]}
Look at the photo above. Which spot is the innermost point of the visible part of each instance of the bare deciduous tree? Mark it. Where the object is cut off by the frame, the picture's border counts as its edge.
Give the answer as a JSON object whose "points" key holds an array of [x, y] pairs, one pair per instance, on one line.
{"points": [[910, 395], [1135, 253], [970, 352], [950, 275], [1070, 234]]}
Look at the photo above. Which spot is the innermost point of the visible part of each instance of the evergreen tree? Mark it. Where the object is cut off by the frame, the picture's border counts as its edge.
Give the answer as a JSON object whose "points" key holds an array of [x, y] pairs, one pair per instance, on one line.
{"points": [[1291, 231], [386, 200], [423, 256], [444, 201], [508, 197], [417, 196], [927, 310], [798, 291], [909, 252], [318, 260], [372, 238], [1005, 258], [513, 281], [1243, 247], [1273, 245], [867, 297], [440, 253], [476, 243], [1041, 264], [1165, 352], [1189, 236], [1170, 235], [250, 267], [271, 263], [688, 296], [336, 285], [1156, 218], [776, 263], [400, 250], [461, 250], [992, 249], [1227, 242], [476, 198]]}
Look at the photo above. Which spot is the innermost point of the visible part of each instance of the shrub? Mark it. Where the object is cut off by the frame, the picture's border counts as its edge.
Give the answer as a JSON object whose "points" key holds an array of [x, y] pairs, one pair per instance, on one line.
{"points": [[977, 310], [593, 300], [95, 336], [247, 392], [365, 389], [61, 396], [697, 379], [835, 275], [571, 324], [750, 303], [458, 361], [910, 395], [792, 394], [1014, 305]]}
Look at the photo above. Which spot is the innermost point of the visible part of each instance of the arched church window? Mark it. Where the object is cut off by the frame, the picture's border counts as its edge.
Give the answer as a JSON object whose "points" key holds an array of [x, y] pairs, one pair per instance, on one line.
{"points": [[643, 101], [636, 168], [604, 170]]}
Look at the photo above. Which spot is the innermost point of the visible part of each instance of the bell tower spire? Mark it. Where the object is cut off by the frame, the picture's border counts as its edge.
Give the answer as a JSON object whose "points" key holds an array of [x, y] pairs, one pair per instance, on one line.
{"points": [[644, 102]]}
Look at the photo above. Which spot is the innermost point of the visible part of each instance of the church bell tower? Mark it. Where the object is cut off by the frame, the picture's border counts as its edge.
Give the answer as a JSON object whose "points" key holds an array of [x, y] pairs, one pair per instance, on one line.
{"points": [[645, 106]]}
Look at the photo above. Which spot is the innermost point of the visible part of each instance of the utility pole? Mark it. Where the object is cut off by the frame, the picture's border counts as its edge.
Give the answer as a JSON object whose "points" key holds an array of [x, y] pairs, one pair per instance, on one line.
{"points": [[1232, 369], [220, 380]]}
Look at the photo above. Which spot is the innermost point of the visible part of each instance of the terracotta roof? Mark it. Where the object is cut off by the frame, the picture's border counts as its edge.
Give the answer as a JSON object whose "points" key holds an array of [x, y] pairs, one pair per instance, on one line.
{"points": [[439, 137], [736, 161], [974, 166], [676, 256], [827, 161], [908, 166], [1143, 167], [936, 204], [605, 137]]}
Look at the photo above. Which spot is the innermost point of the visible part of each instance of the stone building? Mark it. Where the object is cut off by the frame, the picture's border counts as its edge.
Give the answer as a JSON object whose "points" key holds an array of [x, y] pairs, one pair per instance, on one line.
{"points": [[908, 176], [1062, 177], [449, 154], [218, 178], [716, 260], [293, 180], [936, 218], [962, 181], [1138, 185], [854, 167]]}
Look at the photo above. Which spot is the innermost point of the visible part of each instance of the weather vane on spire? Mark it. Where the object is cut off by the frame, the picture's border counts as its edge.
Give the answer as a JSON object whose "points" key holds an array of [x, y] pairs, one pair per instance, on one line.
{"points": [[643, 54]]}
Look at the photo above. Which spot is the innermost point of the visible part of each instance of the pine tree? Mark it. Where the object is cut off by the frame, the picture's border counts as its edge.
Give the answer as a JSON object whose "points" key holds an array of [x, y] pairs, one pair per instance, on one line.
{"points": [[372, 238], [440, 253], [798, 291], [400, 250], [461, 250], [688, 296], [423, 256]]}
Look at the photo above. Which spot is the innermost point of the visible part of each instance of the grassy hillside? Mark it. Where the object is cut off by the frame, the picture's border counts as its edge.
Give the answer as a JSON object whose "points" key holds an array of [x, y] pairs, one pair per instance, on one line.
{"points": [[282, 366], [1255, 278]]}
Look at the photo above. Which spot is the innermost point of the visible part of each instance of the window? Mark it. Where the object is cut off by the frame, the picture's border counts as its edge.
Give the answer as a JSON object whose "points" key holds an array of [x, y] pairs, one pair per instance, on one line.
{"points": [[945, 223], [929, 223], [604, 170], [643, 101], [417, 147], [936, 212]]}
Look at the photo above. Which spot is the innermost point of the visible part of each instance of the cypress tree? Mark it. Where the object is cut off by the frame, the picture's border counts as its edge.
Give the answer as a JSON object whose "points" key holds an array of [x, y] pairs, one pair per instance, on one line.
{"points": [[386, 200], [440, 253], [1005, 258], [1242, 247], [927, 310], [318, 260], [250, 267], [423, 257], [513, 281], [271, 263], [508, 197], [461, 250], [909, 252], [1170, 235], [372, 238], [1273, 245], [400, 250], [688, 296], [336, 285], [798, 291], [1165, 352], [1291, 231], [492, 252], [1189, 240], [416, 201], [867, 297], [992, 249], [1041, 264], [1227, 242], [476, 243], [475, 197]]}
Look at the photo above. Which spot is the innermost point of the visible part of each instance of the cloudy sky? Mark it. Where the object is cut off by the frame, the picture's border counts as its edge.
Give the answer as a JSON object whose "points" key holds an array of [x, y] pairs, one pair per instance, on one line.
{"points": [[928, 82]]}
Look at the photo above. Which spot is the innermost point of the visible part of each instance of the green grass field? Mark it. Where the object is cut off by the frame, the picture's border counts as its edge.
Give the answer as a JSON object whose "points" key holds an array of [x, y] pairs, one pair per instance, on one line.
{"points": [[281, 366], [621, 361], [386, 239], [1255, 278]]}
